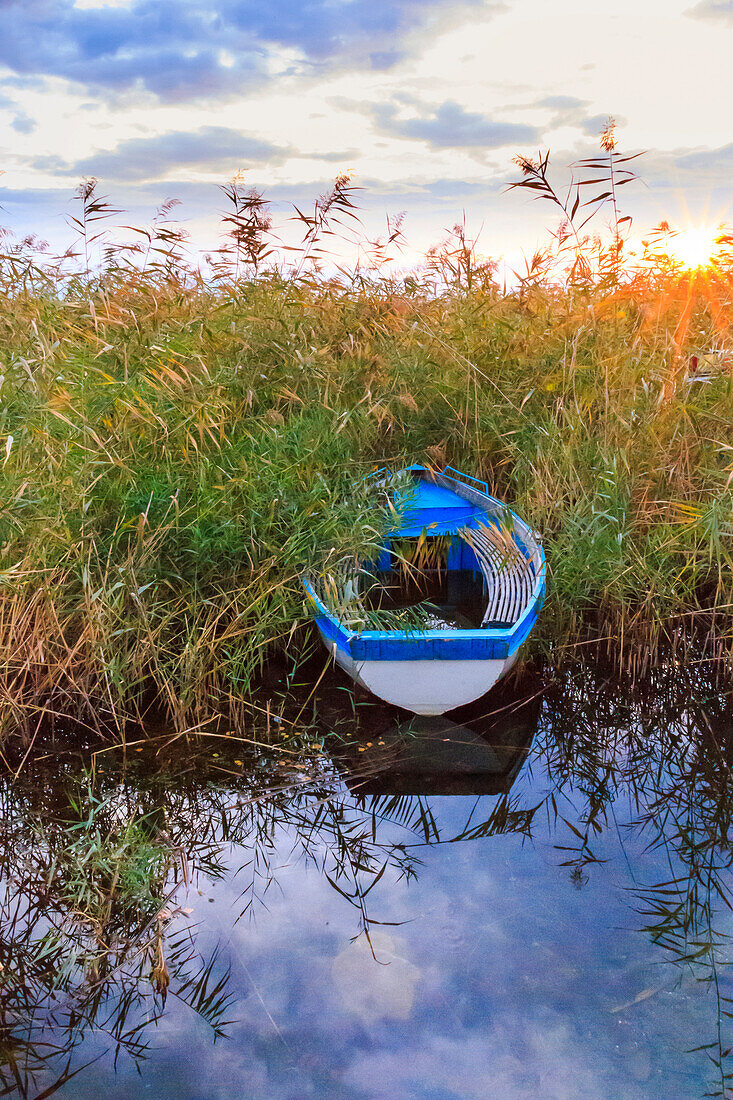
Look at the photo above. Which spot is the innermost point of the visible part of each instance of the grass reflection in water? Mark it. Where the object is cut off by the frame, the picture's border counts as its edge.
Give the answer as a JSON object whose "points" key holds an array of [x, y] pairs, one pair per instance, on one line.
{"points": [[106, 860]]}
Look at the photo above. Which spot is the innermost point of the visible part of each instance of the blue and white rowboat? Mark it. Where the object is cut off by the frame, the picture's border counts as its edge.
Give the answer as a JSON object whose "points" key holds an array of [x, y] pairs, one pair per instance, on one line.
{"points": [[433, 670]]}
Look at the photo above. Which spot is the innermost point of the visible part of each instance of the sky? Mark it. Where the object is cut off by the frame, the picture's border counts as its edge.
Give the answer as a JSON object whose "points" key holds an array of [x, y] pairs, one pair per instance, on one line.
{"points": [[425, 101]]}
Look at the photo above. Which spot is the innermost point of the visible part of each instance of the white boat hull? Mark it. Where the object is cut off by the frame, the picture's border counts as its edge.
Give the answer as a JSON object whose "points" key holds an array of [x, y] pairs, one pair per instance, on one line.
{"points": [[425, 687]]}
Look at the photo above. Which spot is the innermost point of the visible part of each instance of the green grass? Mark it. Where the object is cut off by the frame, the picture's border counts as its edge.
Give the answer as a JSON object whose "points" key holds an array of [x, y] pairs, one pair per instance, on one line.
{"points": [[174, 452]]}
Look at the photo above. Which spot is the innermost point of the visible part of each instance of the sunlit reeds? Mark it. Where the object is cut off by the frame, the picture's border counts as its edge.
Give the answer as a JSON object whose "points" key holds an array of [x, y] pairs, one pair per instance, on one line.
{"points": [[178, 441]]}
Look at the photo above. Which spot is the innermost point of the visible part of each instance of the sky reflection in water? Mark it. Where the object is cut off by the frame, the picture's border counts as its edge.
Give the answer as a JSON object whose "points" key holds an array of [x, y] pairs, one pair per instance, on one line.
{"points": [[498, 972]]}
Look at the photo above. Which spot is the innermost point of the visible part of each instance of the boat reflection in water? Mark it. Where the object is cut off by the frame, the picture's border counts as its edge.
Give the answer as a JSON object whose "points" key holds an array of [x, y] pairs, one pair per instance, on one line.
{"points": [[482, 755]]}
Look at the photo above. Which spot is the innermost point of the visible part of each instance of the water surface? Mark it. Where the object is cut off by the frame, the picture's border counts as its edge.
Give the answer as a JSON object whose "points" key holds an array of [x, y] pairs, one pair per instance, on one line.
{"points": [[530, 903]]}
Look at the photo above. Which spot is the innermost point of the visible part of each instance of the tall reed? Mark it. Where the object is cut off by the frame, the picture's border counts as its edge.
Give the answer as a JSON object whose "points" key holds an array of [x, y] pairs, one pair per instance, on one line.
{"points": [[178, 442]]}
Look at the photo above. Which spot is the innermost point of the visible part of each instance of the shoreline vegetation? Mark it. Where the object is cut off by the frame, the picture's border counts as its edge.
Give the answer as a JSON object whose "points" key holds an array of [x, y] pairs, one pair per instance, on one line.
{"points": [[178, 441]]}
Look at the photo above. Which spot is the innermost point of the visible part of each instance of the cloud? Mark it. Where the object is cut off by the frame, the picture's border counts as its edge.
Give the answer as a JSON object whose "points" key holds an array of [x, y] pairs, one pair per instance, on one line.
{"points": [[451, 126], [713, 9], [185, 49], [704, 170], [522, 1053], [561, 102], [684, 185], [596, 124], [720, 159], [568, 110], [170, 50], [23, 123], [214, 148]]}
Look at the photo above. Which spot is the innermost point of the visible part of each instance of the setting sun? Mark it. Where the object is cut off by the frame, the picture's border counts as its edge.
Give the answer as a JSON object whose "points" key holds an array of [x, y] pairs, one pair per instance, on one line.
{"points": [[693, 247]]}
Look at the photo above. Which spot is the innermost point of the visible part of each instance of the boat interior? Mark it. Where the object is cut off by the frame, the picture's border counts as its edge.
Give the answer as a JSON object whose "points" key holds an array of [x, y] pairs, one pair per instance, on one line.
{"points": [[474, 566]]}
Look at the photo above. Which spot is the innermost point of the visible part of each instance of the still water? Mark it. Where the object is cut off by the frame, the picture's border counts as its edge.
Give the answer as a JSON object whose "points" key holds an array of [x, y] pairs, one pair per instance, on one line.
{"points": [[528, 903]]}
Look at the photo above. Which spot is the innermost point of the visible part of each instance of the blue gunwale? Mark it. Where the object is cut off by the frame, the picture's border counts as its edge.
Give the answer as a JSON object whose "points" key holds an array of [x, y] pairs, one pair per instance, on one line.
{"points": [[484, 643]]}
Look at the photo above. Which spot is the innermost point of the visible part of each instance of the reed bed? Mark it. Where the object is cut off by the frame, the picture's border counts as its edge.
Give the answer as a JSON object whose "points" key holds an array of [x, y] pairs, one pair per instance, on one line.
{"points": [[177, 442]]}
